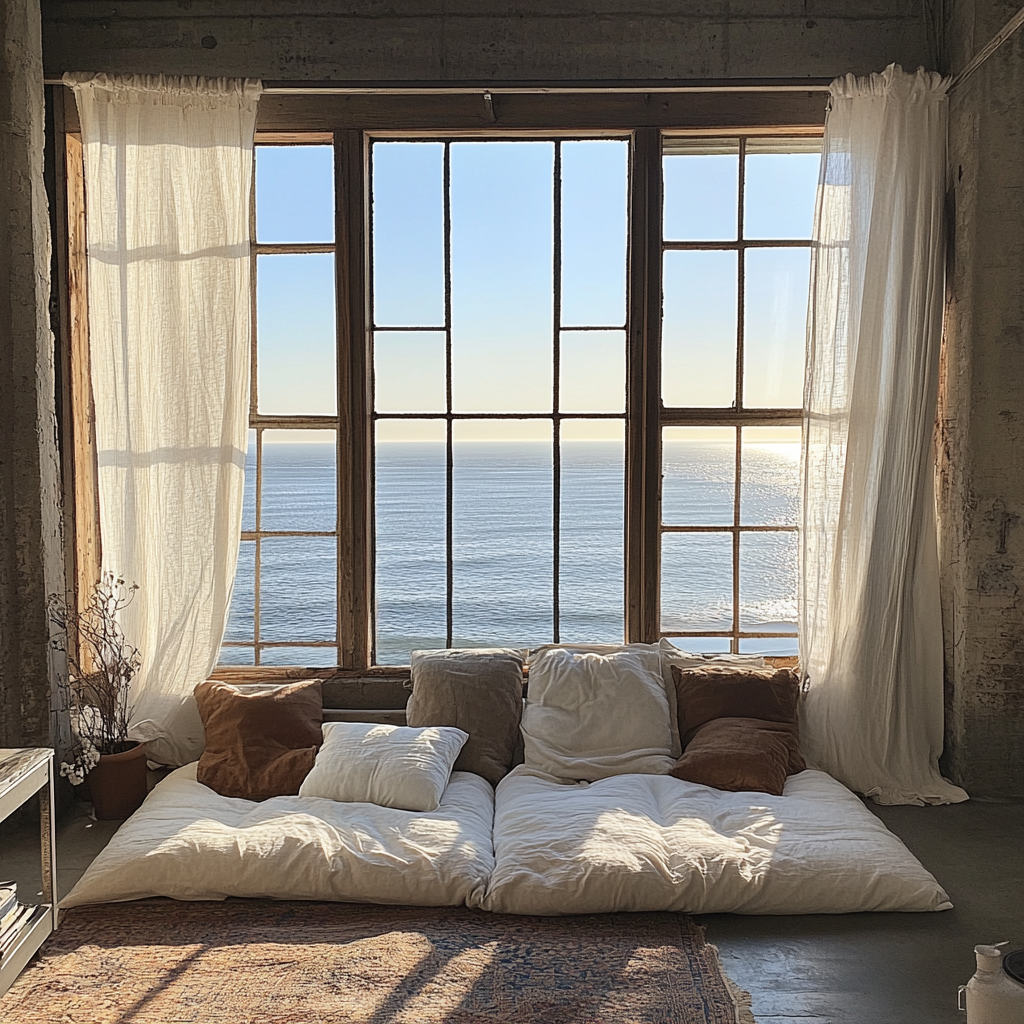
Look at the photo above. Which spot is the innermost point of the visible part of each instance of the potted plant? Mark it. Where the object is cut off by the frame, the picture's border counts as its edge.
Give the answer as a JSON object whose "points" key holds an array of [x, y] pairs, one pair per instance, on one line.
{"points": [[95, 694]]}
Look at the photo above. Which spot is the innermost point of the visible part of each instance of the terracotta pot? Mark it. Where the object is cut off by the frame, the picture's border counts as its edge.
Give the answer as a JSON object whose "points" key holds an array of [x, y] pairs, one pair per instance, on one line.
{"points": [[117, 785]]}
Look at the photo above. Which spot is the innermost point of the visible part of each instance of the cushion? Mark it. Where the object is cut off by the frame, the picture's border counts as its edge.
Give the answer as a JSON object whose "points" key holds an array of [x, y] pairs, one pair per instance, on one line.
{"points": [[388, 765], [589, 716], [259, 744], [737, 754], [704, 694], [478, 691]]}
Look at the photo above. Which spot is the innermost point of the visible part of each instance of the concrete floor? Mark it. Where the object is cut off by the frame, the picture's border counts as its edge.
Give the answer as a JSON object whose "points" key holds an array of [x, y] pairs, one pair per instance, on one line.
{"points": [[842, 969]]}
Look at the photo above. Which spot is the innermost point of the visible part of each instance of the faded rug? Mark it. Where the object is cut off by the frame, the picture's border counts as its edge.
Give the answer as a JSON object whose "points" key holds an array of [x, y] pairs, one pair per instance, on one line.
{"points": [[267, 962]]}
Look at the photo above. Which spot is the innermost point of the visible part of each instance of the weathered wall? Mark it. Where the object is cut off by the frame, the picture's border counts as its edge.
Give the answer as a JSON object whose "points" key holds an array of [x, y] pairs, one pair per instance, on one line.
{"points": [[481, 40], [31, 552], [981, 495]]}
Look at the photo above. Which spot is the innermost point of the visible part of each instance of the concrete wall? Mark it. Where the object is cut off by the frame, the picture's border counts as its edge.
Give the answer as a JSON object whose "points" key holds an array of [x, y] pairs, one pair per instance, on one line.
{"points": [[981, 494], [479, 40], [31, 551]]}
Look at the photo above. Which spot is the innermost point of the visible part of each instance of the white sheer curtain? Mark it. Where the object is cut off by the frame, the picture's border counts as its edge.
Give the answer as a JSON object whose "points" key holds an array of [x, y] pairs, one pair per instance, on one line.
{"points": [[168, 169], [870, 626]]}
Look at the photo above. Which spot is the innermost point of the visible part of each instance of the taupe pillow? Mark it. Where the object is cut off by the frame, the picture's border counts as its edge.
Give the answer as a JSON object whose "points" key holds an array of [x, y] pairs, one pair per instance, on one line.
{"points": [[479, 691], [704, 694], [738, 755], [259, 743]]}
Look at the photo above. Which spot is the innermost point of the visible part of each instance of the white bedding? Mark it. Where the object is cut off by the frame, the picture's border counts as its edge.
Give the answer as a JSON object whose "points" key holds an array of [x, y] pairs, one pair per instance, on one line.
{"points": [[189, 843], [646, 842]]}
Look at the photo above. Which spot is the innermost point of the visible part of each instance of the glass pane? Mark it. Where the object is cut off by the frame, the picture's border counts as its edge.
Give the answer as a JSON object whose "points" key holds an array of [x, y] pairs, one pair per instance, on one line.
{"points": [[502, 477], [295, 193], [768, 582], [698, 346], [591, 532], [698, 470], [502, 301], [300, 480], [236, 656], [701, 179], [770, 488], [777, 647], [249, 493], [241, 618], [594, 218], [409, 372], [298, 588], [295, 327], [408, 234], [592, 371], [780, 182], [410, 541], [696, 581], [701, 644], [300, 657], [775, 327]]}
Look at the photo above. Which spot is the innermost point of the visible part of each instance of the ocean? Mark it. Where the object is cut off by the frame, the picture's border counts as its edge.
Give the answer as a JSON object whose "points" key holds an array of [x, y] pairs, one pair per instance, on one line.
{"points": [[503, 547]]}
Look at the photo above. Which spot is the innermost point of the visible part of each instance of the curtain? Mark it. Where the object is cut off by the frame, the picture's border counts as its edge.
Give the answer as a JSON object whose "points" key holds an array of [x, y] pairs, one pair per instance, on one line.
{"points": [[168, 169], [870, 625]]}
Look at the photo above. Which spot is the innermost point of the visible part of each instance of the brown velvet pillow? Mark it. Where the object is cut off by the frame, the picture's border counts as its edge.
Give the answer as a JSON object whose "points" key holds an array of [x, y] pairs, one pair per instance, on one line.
{"points": [[260, 743], [479, 691], [737, 754], [704, 694]]}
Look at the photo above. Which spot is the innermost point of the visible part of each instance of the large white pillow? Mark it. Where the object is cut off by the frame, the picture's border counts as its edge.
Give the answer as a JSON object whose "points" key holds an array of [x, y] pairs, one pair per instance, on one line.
{"points": [[592, 715], [388, 765]]}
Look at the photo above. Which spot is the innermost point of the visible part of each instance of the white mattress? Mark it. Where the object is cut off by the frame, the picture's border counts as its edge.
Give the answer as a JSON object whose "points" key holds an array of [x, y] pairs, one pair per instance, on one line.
{"points": [[189, 843], [645, 842]]}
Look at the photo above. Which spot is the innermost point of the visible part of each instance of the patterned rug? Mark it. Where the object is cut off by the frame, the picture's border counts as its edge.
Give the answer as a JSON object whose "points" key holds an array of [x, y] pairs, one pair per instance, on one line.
{"points": [[265, 962]]}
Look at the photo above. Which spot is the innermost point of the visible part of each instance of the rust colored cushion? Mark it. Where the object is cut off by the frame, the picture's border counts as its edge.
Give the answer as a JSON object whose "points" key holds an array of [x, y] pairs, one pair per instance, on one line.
{"points": [[737, 754], [261, 741], [706, 694]]}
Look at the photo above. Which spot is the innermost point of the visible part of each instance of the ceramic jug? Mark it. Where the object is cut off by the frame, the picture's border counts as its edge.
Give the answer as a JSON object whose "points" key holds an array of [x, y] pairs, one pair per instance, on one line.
{"points": [[992, 996]]}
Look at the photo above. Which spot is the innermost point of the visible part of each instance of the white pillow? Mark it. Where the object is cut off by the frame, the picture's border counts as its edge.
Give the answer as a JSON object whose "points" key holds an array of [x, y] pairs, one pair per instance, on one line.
{"points": [[388, 765], [589, 716]]}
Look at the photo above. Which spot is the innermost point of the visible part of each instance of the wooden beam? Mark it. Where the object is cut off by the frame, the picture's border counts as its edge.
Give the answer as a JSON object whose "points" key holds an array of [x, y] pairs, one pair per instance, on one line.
{"points": [[355, 512]]}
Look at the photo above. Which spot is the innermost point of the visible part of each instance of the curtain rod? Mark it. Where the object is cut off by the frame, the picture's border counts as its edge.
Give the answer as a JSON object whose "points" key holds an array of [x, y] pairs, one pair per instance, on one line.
{"points": [[988, 49], [319, 89]]}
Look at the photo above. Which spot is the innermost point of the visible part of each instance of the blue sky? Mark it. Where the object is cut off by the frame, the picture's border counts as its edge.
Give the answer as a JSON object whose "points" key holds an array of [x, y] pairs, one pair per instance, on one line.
{"points": [[502, 279]]}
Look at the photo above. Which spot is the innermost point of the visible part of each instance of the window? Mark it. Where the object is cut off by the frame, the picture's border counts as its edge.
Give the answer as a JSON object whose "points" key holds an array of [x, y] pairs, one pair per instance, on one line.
{"points": [[736, 260], [440, 425]]}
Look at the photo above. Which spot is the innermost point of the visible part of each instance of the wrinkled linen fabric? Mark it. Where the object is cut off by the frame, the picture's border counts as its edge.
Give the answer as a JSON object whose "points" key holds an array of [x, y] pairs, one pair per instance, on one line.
{"points": [[589, 715], [388, 765], [646, 843], [188, 843], [168, 168], [870, 624]]}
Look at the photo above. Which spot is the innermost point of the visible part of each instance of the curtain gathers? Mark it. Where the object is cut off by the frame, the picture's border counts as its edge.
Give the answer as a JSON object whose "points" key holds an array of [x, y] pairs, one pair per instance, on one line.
{"points": [[168, 169], [870, 626]]}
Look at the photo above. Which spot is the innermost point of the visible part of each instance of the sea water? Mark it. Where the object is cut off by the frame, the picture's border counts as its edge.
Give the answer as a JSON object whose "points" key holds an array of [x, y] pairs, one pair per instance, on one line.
{"points": [[504, 547]]}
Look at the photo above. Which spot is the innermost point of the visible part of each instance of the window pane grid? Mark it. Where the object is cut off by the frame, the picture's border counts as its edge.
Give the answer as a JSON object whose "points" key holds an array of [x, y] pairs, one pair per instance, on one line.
{"points": [[452, 418], [737, 416]]}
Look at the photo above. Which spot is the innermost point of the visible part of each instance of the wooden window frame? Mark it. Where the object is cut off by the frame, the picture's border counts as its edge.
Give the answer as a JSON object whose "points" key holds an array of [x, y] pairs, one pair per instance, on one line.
{"points": [[349, 122]]}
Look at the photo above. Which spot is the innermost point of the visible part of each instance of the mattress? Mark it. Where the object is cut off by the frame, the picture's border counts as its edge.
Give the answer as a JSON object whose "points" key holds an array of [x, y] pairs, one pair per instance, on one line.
{"points": [[189, 843], [645, 842]]}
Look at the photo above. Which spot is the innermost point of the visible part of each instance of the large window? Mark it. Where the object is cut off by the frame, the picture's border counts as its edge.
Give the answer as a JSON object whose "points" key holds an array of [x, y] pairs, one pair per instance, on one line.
{"points": [[496, 318]]}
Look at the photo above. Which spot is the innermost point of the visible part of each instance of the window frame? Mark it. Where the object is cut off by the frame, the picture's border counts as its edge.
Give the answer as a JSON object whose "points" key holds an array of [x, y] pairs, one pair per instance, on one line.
{"points": [[349, 123]]}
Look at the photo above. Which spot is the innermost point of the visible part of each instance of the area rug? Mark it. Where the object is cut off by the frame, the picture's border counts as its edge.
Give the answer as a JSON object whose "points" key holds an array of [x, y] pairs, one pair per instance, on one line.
{"points": [[266, 962]]}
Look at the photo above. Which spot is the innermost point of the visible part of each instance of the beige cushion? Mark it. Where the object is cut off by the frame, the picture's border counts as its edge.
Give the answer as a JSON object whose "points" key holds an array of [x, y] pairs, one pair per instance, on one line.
{"points": [[590, 716], [261, 742], [387, 765], [479, 691]]}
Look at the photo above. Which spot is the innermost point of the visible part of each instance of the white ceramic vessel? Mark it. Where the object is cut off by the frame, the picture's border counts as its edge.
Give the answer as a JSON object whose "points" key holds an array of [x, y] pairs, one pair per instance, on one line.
{"points": [[992, 997]]}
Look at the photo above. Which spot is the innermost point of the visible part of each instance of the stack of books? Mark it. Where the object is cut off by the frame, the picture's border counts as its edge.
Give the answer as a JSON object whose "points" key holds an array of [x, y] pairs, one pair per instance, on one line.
{"points": [[12, 916]]}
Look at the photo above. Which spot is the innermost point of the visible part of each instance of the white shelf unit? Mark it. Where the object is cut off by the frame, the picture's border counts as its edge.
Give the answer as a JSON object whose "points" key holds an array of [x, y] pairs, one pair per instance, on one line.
{"points": [[24, 772]]}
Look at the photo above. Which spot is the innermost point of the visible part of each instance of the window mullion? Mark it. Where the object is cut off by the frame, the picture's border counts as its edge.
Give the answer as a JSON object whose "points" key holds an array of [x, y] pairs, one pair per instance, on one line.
{"points": [[643, 390]]}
